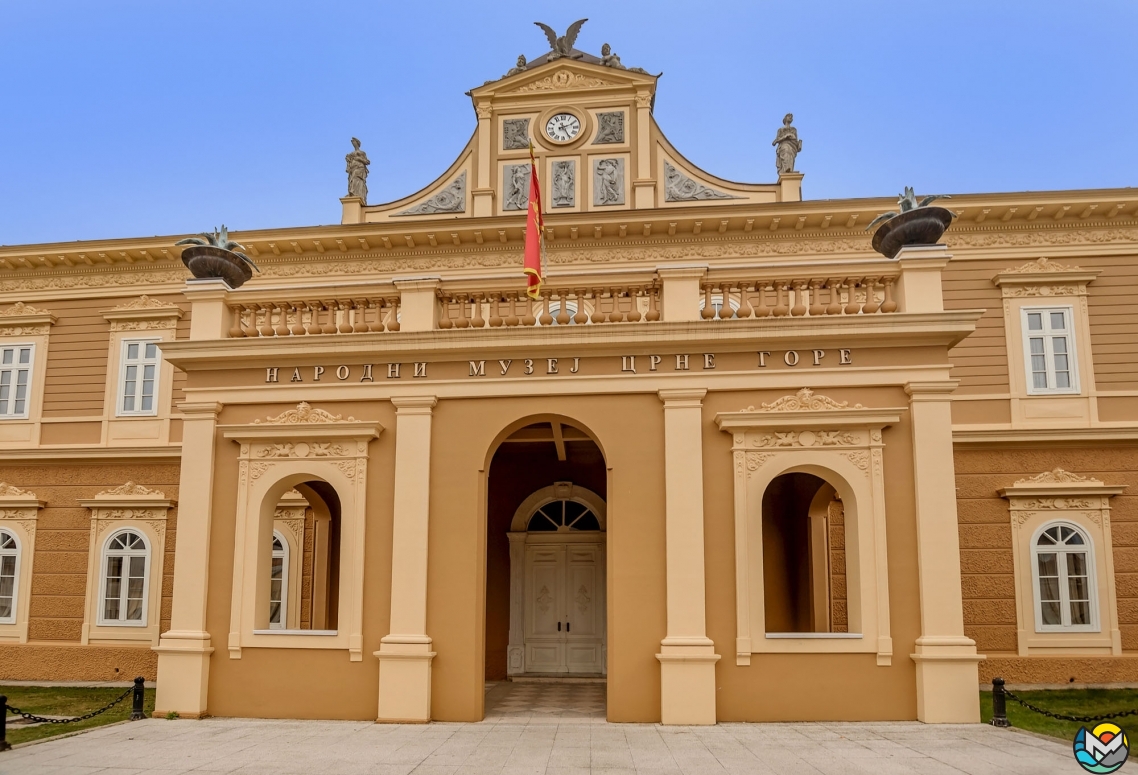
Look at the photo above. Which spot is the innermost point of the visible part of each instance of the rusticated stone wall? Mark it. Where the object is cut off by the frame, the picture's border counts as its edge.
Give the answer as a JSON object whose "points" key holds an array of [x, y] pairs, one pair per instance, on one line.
{"points": [[839, 611], [74, 662], [59, 573], [987, 580]]}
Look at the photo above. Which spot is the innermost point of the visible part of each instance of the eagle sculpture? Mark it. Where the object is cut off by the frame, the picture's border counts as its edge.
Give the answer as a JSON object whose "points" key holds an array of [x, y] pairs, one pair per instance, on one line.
{"points": [[562, 46]]}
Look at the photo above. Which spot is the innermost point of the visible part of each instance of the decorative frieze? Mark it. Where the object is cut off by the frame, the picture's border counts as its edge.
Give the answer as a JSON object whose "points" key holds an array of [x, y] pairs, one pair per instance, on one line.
{"points": [[1057, 476], [23, 320], [304, 413], [804, 401]]}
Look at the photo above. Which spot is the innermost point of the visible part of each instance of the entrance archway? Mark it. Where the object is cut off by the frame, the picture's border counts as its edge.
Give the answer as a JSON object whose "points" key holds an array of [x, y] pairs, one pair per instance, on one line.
{"points": [[546, 516], [557, 583]]}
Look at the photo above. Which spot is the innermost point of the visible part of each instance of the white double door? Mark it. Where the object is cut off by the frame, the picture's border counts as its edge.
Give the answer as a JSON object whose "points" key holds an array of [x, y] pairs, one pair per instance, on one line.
{"points": [[564, 606]]}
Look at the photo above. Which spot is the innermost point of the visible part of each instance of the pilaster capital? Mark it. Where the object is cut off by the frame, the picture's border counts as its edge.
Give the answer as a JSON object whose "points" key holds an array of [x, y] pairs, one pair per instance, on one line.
{"points": [[681, 271], [682, 397], [932, 390], [206, 289], [405, 405], [200, 410], [417, 283]]}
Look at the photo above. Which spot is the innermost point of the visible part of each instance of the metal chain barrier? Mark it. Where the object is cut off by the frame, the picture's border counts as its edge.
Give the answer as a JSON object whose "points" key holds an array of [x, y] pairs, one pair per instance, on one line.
{"points": [[84, 717], [136, 713], [1000, 715]]}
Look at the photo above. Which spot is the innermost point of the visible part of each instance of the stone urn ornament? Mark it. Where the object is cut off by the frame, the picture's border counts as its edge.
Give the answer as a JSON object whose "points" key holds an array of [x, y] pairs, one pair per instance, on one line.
{"points": [[916, 224], [214, 255]]}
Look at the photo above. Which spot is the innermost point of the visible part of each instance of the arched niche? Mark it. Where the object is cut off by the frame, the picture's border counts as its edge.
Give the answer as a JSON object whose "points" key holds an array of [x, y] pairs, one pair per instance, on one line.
{"points": [[843, 446], [323, 457]]}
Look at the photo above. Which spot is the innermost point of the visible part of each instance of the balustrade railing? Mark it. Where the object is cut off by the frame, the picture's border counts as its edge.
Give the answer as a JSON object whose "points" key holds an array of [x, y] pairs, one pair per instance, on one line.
{"points": [[798, 298], [557, 306], [306, 318]]}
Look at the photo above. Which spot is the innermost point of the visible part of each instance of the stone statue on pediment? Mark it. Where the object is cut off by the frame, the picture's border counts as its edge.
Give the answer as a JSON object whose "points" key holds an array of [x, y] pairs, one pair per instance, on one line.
{"points": [[787, 146], [609, 59], [358, 163], [520, 68]]}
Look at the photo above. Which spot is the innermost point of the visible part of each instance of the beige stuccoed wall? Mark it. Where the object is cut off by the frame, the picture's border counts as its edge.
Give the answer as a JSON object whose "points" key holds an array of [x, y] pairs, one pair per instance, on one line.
{"points": [[629, 431], [810, 687], [284, 683]]}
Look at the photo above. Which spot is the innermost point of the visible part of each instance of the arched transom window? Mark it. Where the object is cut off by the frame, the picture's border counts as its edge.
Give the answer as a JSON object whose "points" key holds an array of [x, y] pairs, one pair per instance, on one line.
{"points": [[1063, 579], [563, 516], [278, 583], [9, 570], [125, 560]]}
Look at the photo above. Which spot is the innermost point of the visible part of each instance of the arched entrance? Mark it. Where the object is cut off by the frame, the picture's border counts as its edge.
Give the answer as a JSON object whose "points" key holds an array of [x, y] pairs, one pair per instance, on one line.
{"points": [[545, 564], [557, 582]]}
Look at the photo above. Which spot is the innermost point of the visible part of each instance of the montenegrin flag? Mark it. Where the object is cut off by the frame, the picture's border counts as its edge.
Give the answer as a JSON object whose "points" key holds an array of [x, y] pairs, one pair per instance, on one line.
{"points": [[534, 265]]}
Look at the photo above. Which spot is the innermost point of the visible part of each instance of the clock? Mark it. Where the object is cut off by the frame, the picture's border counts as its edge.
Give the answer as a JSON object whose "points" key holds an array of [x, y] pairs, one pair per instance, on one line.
{"points": [[562, 127]]}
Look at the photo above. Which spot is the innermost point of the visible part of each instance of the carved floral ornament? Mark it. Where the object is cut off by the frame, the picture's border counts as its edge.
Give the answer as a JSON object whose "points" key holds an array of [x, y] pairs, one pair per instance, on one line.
{"points": [[130, 489], [20, 309], [1058, 476], [304, 414], [11, 491], [563, 79], [23, 320], [804, 400], [1041, 265]]}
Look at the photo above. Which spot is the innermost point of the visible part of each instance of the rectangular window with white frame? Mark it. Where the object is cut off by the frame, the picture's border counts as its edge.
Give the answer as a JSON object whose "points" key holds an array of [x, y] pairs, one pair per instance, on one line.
{"points": [[1049, 350], [16, 380], [138, 380]]}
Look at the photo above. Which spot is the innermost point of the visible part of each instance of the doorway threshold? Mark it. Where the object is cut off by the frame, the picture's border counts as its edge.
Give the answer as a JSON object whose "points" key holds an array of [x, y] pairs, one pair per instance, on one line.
{"points": [[559, 678]]}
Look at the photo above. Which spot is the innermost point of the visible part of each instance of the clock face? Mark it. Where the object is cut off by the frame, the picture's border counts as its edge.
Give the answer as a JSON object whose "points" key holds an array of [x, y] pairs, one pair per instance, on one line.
{"points": [[563, 127]]}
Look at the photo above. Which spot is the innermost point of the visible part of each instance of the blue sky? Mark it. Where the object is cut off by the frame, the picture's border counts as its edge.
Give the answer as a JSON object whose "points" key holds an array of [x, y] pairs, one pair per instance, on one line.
{"points": [[125, 119]]}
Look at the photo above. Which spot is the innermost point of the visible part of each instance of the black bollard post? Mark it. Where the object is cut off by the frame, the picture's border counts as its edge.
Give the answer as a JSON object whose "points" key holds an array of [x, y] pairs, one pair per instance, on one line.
{"points": [[4, 744], [999, 704], [136, 712]]}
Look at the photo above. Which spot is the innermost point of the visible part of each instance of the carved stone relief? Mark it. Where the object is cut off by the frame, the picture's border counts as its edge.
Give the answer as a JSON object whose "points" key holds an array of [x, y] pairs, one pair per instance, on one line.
{"points": [[304, 413], [802, 401], [515, 133], [1057, 476], [806, 439], [451, 199], [678, 187], [608, 182], [515, 186], [562, 79], [610, 128], [564, 183]]}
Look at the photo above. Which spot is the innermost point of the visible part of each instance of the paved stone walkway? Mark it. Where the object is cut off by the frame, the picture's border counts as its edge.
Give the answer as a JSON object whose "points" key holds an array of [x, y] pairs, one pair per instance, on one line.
{"points": [[553, 747]]}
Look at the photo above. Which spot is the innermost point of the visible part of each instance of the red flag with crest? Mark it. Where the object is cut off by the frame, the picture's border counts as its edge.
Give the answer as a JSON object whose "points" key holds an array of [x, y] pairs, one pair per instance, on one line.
{"points": [[534, 265]]}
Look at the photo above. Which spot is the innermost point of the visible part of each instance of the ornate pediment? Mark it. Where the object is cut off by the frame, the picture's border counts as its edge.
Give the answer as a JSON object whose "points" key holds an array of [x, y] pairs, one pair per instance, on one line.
{"points": [[131, 489], [20, 309], [304, 414], [10, 491], [1040, 265], [144, 302], [1058, 476], [562, 80], [804, 401]]}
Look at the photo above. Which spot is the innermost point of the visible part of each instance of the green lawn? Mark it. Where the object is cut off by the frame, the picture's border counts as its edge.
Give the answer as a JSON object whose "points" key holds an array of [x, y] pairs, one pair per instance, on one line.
{"points": [[66, 701], [1075, 702]]}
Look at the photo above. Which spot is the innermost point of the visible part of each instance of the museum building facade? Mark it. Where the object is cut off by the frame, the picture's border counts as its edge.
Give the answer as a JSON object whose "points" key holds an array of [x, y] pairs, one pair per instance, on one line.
{"points": [[732, 460]]}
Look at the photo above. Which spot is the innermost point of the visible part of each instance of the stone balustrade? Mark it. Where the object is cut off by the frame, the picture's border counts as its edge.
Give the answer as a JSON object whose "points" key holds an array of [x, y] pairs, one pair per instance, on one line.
{"points": [[557, 306], [798, 298], [306, 318]]}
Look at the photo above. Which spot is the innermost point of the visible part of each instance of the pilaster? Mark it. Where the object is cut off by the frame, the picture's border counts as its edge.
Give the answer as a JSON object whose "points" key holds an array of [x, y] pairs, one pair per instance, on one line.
{"points": [[209, 318], [418, 306], [681, 293], [919, 286], [946, 659], [405, 653], [184, 650], [687, 656]]}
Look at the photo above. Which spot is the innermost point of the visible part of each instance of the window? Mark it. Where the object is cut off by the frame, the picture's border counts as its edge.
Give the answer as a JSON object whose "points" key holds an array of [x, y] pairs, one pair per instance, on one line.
{"points": [[563, 516], [15, 379], [1049, 350], [1063, 580], [139, 382], [9, 573], [124, 586], [278, 584]]}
